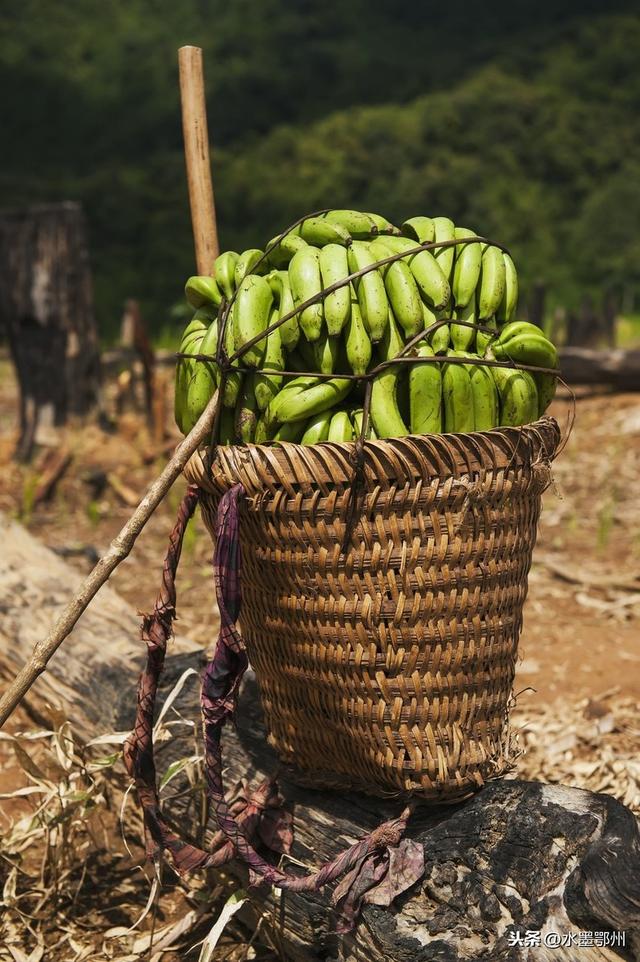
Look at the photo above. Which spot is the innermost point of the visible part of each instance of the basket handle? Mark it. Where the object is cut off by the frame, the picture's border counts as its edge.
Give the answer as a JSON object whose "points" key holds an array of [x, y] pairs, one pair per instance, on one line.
{"points": [[220, 684]]}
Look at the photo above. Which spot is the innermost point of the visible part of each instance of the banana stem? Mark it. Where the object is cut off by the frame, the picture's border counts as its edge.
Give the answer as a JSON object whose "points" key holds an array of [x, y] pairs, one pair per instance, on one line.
{"points": [[118, 550]]}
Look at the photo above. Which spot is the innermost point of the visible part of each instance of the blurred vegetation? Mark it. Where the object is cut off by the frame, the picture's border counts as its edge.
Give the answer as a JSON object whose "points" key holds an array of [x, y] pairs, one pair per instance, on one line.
{"points": [[516, 118]]}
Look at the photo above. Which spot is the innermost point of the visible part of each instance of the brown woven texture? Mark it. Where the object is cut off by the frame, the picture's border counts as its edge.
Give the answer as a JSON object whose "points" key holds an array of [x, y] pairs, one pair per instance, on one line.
{"points": [[385, 639]]}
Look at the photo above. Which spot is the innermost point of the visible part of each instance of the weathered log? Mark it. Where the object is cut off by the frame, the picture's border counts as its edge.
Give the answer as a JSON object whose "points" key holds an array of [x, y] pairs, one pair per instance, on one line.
{"points": [[46, 305], [518, 856], [619, 369]]}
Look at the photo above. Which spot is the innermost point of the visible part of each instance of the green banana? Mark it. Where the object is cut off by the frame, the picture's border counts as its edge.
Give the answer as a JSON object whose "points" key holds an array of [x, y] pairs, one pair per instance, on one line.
{"points": [[370, 290], [264, 430], [385, 413], [197, 324], [445, 231], [320, 231], [457, 397], [340, 428], [483, 340], [466, 269], [421, 229], [426, 271], [404, 297], [381, 250], [518, 396], [316, 429], [251, 313], [246, 263], [493, 282], [305, 281], [462, 337], [280, 250], [358, 225], [233, 381], [291, 432], [224, 269], [268, 385], [382, 225], [334, 267], [185, 373], [290, 330], [201, 290], [246, 412], [525, 347], [204, 380], [485, 397], [325, 354], [357, 419], [425, 394], [546, 385], [313, 399], [509, 302], [226, 432], [180, 394], [357, 342], [440, 338]]}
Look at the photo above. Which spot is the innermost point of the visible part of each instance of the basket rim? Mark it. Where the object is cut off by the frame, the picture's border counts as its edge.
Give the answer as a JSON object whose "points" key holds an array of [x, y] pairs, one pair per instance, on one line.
{"points": [[386, 462]]}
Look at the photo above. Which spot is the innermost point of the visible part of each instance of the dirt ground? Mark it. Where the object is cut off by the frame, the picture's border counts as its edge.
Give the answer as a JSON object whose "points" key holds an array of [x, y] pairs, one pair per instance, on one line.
{"points": [[580, 644]]}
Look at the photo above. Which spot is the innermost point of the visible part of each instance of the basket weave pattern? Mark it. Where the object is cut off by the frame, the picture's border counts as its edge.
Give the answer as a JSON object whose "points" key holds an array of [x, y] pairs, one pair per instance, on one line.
{"points": [[387, 665]]}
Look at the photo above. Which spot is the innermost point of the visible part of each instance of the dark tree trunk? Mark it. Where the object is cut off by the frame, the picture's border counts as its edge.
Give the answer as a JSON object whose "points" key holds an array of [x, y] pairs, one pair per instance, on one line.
{"points": [[46, 307]]}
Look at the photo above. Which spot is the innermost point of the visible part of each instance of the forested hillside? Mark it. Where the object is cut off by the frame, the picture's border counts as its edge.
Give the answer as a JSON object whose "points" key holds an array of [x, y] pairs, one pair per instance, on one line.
{"points": [[519, 119]]}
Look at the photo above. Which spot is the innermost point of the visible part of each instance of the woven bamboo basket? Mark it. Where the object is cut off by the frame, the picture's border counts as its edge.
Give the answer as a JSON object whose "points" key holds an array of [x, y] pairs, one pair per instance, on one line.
{"points": [[385, 642]]}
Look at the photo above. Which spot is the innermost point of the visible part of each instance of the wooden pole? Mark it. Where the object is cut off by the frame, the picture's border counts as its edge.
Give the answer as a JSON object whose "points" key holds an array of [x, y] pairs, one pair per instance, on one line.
{"points": [[196, 150], [196, 147]]}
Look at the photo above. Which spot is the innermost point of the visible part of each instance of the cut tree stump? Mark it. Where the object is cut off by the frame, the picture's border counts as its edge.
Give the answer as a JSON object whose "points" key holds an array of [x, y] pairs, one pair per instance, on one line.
{"points": [[46, 307], [517, 856], [616, 368]]}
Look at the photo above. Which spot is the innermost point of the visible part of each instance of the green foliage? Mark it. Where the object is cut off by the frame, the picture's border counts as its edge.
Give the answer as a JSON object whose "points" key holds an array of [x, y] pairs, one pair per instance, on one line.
{"points": [[518, 119]]}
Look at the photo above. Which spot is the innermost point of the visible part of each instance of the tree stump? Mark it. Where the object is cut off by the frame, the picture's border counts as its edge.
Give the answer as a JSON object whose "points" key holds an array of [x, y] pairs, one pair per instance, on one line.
{"points": [[46, 306], [516, 858]]}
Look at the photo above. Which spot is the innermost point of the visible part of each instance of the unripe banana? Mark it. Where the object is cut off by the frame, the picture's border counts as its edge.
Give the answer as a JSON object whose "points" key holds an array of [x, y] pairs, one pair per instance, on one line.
{"points": [[305, 281], [370, 291], [493, 282], [204, 380], [421, 229], [180, 394], [325, 354], [197, 324], [200, 291], [357, 419], [358, 225], [526, 349], [268, 385], [281, 289], [546, 385], [463, 338], [382, 225], [291, 432], [224, 270], [445, 231], [466, 269], [513, 328], [251, 313], [518, 396], [312, 400], [185, 372], [246, 263], [334, 267], [483, 340], [280, 251], [316, 429], [426, 271], [385, 413], [509, 302], [404, 297], [320, 231], [226, 432], [485, 397], [380, 250], [440, 338], [340, 428], [246, 411], [425, 394], [233, 380], [265, 430], [357, 343], [457, 397]]}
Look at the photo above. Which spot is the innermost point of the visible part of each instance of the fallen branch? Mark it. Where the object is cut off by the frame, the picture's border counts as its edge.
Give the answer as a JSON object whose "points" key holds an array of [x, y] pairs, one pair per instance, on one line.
{"points": [[119, 549]]}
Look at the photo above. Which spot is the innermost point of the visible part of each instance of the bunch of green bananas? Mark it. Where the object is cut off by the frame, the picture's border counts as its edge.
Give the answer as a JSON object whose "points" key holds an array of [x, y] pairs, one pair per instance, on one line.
{"points": [[336, 326]]}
